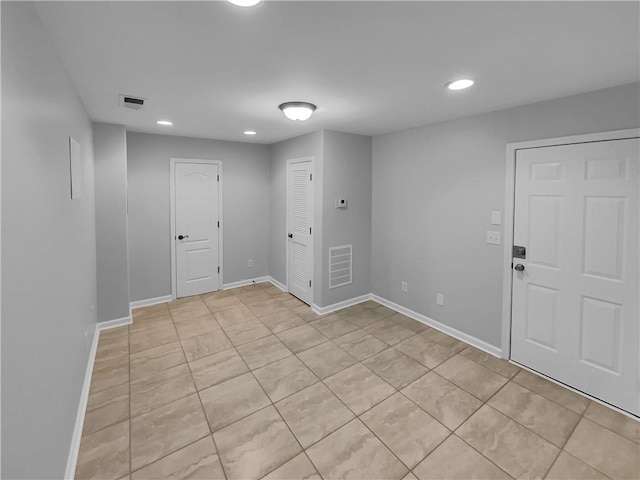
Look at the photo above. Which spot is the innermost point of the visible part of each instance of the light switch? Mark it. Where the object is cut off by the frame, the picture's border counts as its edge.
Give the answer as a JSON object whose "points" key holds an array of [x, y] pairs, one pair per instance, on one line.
{"points": [[493, 237], [496, 217]]}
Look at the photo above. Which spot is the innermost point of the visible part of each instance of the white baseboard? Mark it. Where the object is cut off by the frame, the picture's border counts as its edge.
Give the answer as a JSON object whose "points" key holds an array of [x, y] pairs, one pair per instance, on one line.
{"points": [[118, 322], [74, 449], [150, 301], [340, 305], [244, 283], [276, 283], [464, 337]]}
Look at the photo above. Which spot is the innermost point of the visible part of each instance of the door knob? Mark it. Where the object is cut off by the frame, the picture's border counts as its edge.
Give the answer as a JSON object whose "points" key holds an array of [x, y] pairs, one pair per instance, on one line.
{"points": [[519, 267], [182, 237], [290, 235]]}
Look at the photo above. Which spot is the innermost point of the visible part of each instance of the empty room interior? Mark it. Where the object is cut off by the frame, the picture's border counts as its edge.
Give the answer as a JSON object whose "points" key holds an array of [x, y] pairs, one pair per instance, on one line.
{"points": [[296, 240]]}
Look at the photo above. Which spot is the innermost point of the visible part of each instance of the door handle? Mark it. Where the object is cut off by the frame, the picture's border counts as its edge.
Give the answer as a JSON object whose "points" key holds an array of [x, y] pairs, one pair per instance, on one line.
{"points": [[290, 235], [519, 267], [182, 237]]}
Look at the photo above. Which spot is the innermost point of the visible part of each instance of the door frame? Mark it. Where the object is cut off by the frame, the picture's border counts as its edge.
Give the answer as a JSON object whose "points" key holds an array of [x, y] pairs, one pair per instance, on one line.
{"points": [[313, 226], [172, 195], [509, 211]]}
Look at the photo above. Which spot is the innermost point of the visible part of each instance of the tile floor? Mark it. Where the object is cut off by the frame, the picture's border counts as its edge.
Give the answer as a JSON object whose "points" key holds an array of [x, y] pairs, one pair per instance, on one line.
{"points": [[249, 383]]}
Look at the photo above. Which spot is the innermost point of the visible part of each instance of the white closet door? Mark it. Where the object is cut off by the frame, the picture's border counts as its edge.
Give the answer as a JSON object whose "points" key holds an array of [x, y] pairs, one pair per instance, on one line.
{"points": [[300, 224]]}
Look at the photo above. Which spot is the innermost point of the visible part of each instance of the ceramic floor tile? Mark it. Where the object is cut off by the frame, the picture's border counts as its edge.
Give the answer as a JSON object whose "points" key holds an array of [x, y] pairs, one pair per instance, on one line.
{"points": [[360, 344], [364, 318], [389, 331], [292, 303], [106, 407], [359, 388], [112, 347], [140, 324], [442, 399], [205, 344], [442, 338], [326, 359], [196, 326], [252, 298], [395, 367], [242, 337], [552, 391], [151, 392], [495, 364], [567, 467], [152, 337], [282, 378], [354, 452], [110, 373], [475, 379], [455, 460], [407, 430], [267, 307], [540, 415], [234, 316], [409, 323], [231, 292], [223, 303], [302, 338], [428, 353], [512, 447], [196, 461], [150, 311], [156, 359], [184, 302], [104, 454], [115, 334], [298, 468], [217, 368], [305, 313], [613, 420], [256, 445], [410, 476], [604, 450], [313, 413], [190, 312], [334, 327], [231, 400], [281, 321], [263, 351], [166, 430]]}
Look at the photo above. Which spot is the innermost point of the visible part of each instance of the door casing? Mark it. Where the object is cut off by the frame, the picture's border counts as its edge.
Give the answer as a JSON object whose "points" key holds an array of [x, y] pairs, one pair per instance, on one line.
{"points": [[172, 190]]}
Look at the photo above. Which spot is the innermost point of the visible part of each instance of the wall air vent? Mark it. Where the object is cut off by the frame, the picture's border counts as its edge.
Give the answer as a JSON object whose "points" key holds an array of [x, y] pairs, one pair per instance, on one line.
{"points": [[340, 266], [134, 103]]}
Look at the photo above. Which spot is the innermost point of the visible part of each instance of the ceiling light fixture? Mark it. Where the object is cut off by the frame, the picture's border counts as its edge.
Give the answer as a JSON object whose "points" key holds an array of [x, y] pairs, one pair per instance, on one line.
{"points": [[250, 132], [166, 123], [245, 3], [460, 84], [297, 111]]}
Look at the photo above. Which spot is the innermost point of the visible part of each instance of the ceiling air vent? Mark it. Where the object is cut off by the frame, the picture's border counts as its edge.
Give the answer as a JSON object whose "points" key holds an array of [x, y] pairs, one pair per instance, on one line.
{"points": [[134, 103]]}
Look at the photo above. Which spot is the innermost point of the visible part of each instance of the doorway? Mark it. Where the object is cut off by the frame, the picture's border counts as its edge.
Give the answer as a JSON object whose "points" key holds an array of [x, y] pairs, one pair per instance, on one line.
{"points": [[196, 231], [574, 262]]}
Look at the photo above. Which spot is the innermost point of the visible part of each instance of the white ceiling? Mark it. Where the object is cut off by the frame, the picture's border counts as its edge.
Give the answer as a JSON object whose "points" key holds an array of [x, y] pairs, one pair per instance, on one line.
{"points": [[216, 70]]}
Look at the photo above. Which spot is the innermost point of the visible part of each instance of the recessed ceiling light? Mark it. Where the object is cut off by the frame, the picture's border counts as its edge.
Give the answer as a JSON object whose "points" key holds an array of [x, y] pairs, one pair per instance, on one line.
{"points": [[460, 84], [297, 111], [245, 3], [249, 132], [166, 123]]}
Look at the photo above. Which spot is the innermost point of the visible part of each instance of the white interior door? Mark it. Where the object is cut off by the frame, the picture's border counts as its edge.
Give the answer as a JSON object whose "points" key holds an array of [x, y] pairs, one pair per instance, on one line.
{"points": [[196, 228], [299, 226], [575, 310]]}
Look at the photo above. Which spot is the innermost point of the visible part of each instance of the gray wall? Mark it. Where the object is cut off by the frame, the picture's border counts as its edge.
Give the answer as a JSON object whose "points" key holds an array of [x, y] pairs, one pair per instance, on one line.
{"points": [[347, 174], [434, 188], [245, 180], [48, 251], [110, 158], [309, 145]]}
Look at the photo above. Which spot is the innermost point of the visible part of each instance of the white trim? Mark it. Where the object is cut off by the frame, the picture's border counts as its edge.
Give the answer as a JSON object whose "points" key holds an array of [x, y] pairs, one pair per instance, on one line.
{"points": [[276, 283], [118, 322], [464, 337], [172, 201], [150, 301], [312, 160], [512, 149], [244, 283], [340, 305]]}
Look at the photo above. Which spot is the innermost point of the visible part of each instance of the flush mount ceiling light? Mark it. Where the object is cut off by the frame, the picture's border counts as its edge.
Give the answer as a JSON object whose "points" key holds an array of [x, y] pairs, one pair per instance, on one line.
{"points": [[250, 132], [297, 111], [166, 123], [245, 3], [460, 84]]}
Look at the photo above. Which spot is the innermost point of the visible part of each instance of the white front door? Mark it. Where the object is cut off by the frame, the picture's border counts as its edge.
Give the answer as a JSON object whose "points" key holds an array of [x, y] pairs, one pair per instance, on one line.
{"points": [[575, 314], [299, 226], [196, 228]]}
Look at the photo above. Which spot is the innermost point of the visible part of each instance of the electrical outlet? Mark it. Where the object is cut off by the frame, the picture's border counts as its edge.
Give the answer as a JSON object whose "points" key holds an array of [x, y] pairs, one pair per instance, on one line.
{"points": [[404, 286], [440, 299], [493, 237], [250, 263]]}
